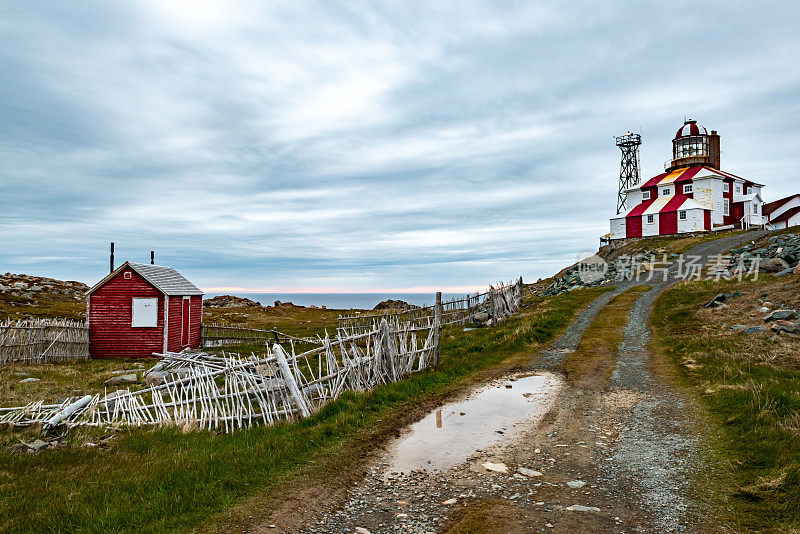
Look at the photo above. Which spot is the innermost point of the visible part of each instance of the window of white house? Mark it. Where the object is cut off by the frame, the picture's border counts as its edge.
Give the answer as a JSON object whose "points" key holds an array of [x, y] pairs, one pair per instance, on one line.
{"points": [[145, 312], [738, 188], [650, 219], [645, 195], [726, 187], [666, 191], [682, 215], [726, 208], [748, 190], [687, 188], [755, 208]]}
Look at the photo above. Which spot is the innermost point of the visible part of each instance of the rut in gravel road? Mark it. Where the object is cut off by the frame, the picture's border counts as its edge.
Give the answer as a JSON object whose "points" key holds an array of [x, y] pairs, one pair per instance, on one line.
{"points": [[616, 453]]}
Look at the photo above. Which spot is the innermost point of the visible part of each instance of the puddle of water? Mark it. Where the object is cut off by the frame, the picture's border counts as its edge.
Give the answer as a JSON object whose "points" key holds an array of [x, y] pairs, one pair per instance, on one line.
{"points": [[452, 433]]}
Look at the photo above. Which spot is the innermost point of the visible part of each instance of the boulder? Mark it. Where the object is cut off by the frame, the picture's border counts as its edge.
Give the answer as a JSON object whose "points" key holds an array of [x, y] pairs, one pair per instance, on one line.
{"points": [[784, 272], [155, 378], [763, 309], [122, 379], [30, 379], [773, 265], [784, 326], [480, 317], [779, 314]]}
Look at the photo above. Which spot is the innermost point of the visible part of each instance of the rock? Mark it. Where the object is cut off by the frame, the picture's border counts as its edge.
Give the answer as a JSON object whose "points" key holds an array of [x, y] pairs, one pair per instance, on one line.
{"points": [[498, 467], [528, 472], [401, 515], [37, 445], [361, 530], [772, 265], [448, 502], [575, 484], [784, 326], [480, 317], [784, 272], [737, 327], [122, 379], [31, 379], [581, 508], [753, 330], [155, 378], [717, 301], [779, 314], [797, 269], [763, 309]]}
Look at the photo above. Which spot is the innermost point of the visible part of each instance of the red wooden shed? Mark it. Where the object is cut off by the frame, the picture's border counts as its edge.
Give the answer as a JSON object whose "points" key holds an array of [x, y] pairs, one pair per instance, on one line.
{"points": [[127, 311]]}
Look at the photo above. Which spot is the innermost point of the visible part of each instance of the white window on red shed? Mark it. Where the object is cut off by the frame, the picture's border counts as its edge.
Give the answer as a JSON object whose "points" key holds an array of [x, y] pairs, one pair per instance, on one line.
{"points": [[144, 312], [726, 187], [645, 195], [126, 275], [687, 188]]}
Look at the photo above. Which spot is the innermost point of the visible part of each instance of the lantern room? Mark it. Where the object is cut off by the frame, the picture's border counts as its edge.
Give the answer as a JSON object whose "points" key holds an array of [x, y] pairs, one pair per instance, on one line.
{"points": [[693, 145]]}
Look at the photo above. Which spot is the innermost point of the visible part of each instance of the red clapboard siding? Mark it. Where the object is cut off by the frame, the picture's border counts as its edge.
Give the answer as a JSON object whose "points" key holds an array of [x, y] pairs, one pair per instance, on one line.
{"points": [[110, 308]]}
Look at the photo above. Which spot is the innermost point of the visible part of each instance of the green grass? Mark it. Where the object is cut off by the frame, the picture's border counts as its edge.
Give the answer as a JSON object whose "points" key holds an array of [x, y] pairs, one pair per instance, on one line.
{"points": [[164, 480], [750, 387]]}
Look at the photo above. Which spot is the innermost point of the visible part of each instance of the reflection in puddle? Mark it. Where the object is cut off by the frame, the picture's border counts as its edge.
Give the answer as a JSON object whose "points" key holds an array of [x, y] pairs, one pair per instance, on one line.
{"points": [[454, 432]]}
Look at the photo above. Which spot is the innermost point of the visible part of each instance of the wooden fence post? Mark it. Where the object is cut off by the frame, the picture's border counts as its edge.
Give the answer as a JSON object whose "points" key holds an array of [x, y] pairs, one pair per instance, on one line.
{"points": [[291, 383], [437, 322], [493, 301]]}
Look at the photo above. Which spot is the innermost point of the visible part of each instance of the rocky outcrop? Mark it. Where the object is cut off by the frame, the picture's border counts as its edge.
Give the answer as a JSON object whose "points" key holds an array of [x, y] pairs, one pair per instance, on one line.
{"points": [[781, 256], [229, 301], [395, 305], [24, 285]]}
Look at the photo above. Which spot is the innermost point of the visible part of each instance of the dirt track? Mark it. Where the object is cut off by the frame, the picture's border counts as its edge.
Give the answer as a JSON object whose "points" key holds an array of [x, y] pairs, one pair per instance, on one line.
{"points": [[619, 429]]}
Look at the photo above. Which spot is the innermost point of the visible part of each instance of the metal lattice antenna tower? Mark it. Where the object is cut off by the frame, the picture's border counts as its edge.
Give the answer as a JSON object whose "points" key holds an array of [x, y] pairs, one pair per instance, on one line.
{"points": [[628, 167]]}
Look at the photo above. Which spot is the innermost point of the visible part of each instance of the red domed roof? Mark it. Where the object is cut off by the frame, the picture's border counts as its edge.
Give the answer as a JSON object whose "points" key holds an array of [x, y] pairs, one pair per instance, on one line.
{"points": [[690, 127]]}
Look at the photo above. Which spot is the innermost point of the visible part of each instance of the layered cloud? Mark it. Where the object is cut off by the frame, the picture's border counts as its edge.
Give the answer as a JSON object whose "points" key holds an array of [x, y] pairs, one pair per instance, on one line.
{"points": [[364, 146]]}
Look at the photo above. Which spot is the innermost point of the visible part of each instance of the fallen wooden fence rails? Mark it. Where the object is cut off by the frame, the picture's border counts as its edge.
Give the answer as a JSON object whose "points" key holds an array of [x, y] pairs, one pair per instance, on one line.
{"points": [[228, 391], [41, 340]]}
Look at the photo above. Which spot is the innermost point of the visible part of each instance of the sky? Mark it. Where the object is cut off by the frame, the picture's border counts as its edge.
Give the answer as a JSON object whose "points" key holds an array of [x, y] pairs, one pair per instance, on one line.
{"points": [[366, 146]]}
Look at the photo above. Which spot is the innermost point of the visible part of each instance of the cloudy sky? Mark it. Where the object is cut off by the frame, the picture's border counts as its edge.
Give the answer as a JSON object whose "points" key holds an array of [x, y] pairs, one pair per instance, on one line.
{"points": [[365, 146]]}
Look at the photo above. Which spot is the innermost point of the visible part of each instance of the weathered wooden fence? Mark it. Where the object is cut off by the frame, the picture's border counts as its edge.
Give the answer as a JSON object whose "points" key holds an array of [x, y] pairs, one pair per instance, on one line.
{"points": [[40, 340], [229, 391], [494, 305]]}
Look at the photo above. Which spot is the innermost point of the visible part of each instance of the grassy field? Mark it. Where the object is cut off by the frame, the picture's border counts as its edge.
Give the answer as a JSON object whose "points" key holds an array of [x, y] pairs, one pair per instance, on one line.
{"points": [[164, 480], [750, 387]]}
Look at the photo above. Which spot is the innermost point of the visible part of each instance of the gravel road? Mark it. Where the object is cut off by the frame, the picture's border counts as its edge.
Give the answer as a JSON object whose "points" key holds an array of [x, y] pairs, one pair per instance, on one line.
{"points": [[617, 456]]}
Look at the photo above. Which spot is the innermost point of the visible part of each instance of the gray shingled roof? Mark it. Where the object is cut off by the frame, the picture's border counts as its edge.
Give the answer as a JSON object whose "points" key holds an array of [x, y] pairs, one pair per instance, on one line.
{"points": [[166, 279]]}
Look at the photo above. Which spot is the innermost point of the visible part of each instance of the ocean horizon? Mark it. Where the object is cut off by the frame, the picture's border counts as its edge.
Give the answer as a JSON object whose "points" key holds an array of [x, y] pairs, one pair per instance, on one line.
{"points": [[341, 301]]}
